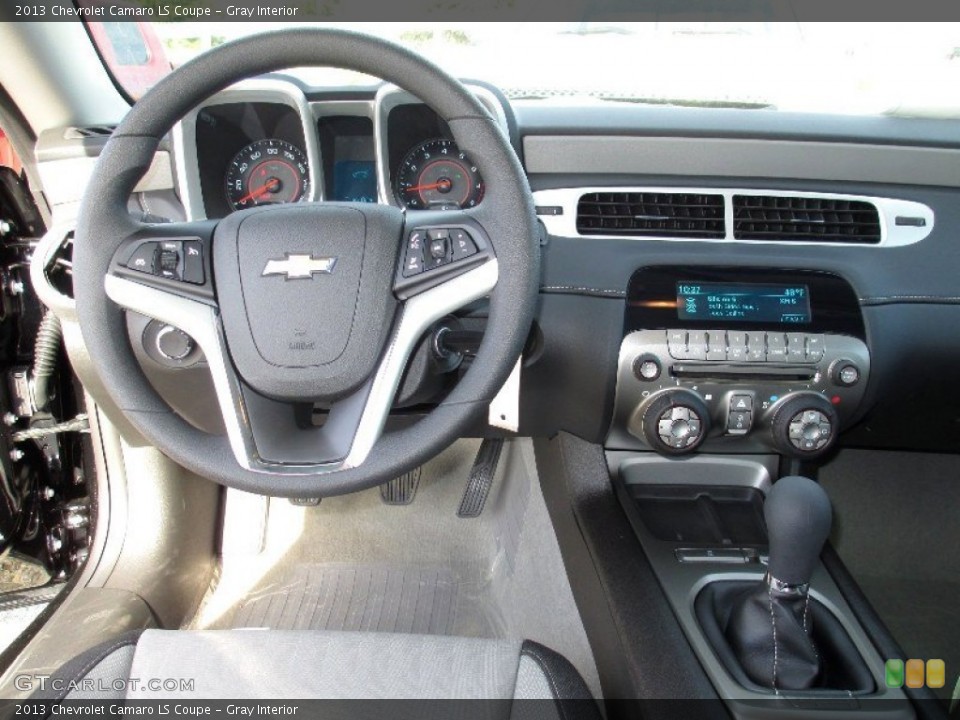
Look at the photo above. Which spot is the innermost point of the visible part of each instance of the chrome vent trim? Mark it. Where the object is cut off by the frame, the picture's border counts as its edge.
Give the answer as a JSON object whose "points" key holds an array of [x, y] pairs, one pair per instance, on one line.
{"points": [[814, 219], [901, 222], [652, 214]]}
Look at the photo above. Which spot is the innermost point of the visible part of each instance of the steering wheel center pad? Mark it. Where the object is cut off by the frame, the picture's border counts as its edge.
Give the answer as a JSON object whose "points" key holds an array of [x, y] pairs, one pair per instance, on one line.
{"points": [[304, 295]]}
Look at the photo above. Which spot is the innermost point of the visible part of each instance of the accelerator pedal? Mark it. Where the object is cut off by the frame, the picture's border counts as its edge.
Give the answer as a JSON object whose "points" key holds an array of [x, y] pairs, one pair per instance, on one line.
{"points": [[401, 490], [481, 478]]}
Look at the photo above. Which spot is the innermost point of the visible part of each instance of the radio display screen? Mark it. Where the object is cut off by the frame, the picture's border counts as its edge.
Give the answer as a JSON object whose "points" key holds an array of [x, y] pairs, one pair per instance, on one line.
{"points": [[761, 303]]}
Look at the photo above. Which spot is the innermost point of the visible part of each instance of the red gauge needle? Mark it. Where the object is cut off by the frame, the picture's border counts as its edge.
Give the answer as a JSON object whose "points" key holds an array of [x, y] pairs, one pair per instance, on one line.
{"points": [[265, 188], [432, 186]]}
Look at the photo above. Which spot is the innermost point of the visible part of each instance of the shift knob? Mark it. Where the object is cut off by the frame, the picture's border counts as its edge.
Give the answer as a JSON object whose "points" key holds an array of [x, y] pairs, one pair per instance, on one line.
{"points": [[798, 516]]}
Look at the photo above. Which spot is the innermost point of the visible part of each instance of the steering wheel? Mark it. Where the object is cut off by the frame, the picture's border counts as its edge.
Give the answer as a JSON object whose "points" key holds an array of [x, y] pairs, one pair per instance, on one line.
{"points": [[307, 303]]}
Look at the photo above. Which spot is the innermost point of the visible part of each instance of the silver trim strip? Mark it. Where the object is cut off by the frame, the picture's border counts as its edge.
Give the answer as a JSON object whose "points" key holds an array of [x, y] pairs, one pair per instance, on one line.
{"points": [[202, 323], [186, 161], [730, 158], [891, 234]]}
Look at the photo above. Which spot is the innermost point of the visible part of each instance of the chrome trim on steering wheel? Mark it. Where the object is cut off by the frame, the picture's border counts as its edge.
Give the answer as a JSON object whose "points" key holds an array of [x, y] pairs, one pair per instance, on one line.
{"points": [[202, 322]]}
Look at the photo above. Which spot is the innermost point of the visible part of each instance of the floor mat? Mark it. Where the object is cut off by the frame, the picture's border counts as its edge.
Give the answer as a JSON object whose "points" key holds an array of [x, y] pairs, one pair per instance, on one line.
{"points": [[356, 563], [344, 596]]}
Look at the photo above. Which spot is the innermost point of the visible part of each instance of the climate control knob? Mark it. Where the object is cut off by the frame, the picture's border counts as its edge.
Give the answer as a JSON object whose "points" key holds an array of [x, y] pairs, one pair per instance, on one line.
{"points": [[804, 425], [673, 422]]}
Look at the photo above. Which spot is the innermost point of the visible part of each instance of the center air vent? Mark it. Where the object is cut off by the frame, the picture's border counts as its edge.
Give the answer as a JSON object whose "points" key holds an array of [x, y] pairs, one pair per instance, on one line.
{"points": [[651, 214], [805, 219]]}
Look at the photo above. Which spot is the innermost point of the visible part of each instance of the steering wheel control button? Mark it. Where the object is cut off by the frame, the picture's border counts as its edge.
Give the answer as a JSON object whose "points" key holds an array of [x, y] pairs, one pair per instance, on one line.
{"points": [[413, 262], [193, 262], [436, 247], [174, 344], [170, 255], [646, 368], [144, 258], [462, 245]]}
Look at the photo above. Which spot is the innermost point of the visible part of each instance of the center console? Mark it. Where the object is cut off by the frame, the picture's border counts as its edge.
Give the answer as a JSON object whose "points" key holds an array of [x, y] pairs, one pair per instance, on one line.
{"points": [[738, 360], [722, 372]]}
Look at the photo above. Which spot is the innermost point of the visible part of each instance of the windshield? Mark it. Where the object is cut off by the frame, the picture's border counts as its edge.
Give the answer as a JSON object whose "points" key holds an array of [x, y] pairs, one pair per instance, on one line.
{"points": [[847, 68]]}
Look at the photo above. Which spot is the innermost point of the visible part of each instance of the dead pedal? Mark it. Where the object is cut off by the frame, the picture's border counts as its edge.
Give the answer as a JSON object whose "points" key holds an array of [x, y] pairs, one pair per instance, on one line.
{"points": [[481, 478], [401, 490]]}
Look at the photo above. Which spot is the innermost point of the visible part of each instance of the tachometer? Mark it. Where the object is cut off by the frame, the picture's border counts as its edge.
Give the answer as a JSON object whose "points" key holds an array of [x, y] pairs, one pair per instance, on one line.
{"points": [[267, 172], [437, 174]]}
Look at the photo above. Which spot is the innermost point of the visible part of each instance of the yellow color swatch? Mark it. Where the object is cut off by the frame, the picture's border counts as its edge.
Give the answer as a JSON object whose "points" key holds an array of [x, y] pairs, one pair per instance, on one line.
{"points": [[936, 674], [915, 673]]}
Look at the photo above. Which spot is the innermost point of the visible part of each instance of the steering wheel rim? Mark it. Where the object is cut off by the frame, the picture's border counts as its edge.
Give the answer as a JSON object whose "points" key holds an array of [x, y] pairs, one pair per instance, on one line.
{"points": [[505, 220]]}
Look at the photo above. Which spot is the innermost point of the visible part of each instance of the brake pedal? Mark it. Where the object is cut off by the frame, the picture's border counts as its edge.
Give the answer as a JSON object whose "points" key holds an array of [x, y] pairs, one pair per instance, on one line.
{"points": [[401, 490], [481, 478]]}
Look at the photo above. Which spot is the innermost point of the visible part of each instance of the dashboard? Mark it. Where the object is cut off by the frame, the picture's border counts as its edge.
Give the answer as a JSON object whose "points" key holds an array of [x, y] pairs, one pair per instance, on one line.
{"points": [[772, 278], [265, 142]]}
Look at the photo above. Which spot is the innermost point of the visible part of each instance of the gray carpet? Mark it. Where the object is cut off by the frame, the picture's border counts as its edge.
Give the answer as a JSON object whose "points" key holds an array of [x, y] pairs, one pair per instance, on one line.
{"points": [[897, 528], [355, 563]]}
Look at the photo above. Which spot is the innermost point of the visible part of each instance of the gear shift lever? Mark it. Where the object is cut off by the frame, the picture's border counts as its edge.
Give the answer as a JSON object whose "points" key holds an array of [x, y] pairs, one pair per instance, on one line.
{"points": [[769, 626], [798, 516]]}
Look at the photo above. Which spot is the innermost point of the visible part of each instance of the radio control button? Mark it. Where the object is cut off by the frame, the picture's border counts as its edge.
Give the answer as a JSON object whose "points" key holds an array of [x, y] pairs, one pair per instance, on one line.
{"points": [[736, 346], [796, 347], [756, 346], [677, 344], [716, 345], [776, 347], [696, 345], [647, 368], [814, 348]]}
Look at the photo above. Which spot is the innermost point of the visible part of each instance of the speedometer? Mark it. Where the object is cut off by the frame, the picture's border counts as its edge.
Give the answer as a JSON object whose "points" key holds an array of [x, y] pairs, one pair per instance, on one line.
{"points": [[267, 172], [437, 174]]}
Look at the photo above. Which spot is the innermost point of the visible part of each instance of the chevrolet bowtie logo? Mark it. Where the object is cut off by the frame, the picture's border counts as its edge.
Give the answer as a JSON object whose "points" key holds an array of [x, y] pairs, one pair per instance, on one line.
{"points": [[298, 267]]}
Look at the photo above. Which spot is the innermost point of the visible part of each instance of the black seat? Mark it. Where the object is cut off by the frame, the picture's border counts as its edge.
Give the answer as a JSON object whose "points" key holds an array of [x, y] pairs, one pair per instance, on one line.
{"points": [[276, 664]]}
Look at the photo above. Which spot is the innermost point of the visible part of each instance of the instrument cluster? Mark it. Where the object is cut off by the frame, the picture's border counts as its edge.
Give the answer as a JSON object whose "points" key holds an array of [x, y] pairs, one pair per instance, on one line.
{"points": [[252, 152]]}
